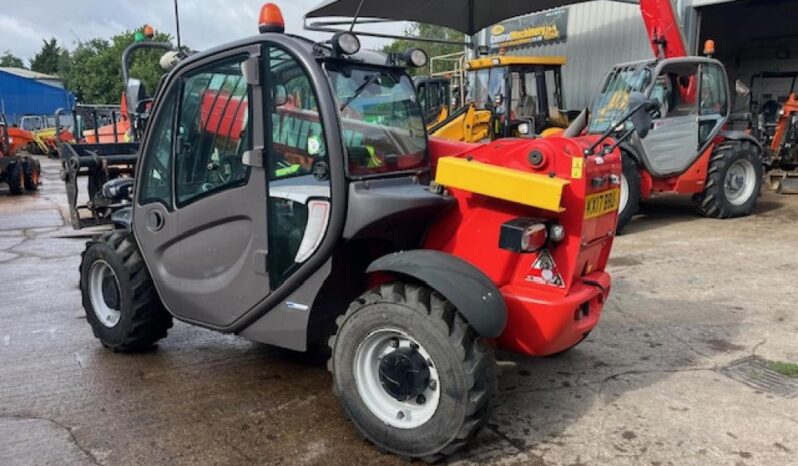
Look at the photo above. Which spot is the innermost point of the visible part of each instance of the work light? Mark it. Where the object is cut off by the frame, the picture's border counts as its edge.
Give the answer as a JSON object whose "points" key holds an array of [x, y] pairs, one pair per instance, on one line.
{"points": [[345, 43], [416, 58]]}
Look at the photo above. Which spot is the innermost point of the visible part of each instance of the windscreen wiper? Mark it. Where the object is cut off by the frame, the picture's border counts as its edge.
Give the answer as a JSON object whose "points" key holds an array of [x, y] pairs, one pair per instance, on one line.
{"points": [[360, 90]]}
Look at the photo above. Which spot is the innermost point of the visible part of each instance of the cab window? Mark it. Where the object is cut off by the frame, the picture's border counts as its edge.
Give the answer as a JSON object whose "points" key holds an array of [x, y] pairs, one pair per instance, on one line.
{"points": [[298, 205], [383, 128], [213, 131], [156, 172], [713, 91], [297, 134]]}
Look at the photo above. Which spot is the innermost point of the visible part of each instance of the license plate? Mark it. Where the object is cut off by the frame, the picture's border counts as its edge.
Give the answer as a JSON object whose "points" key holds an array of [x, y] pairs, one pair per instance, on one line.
{"points": [[602, 203]]}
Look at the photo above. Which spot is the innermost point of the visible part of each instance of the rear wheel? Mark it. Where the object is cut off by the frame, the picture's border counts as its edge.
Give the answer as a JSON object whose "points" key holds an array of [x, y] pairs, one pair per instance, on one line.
{"points": [[412, 375], [121, 303], [14, 178], [733, 182], [630, 193], [31, 170]]}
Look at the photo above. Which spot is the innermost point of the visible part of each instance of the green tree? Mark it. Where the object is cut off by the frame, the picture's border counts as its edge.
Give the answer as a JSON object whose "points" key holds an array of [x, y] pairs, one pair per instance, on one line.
{"points": [[433, 49], [94, 71], [11, 60], [46, 61]]}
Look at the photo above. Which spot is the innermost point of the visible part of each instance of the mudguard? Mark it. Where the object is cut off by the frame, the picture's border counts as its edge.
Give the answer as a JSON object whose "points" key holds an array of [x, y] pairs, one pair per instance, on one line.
{"points": [[465, 286], [121, 219], [742, 136]]}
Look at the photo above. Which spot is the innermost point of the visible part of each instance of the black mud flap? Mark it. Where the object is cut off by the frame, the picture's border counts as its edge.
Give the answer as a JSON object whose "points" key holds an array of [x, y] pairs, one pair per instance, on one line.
{"points": [[465, 286]]}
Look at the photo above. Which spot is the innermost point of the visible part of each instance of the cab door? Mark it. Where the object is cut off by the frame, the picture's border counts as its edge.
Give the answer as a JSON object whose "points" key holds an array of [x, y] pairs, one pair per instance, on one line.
{"points": [[200, 216], [672, 144]]}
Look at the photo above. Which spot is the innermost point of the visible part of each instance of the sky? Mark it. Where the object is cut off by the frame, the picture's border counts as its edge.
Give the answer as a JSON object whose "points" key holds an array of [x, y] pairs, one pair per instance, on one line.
{"points": [[203, 23]]}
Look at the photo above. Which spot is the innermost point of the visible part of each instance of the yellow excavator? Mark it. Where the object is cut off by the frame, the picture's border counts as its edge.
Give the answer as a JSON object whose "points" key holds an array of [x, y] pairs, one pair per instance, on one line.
{"points": [[501, 96]]}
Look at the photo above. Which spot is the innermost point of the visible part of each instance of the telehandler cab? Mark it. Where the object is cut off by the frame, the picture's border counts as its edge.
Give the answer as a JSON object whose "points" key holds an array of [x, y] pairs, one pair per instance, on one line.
{"points": [[285, 193], [507, 96]]}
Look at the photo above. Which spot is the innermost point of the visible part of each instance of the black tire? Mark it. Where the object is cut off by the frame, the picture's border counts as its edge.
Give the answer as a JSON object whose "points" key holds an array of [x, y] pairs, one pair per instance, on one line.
{"points": [[465, 364], [31, 173], [14, 178], [33, 148], [143, 319], [713, 201], [632, 178]]}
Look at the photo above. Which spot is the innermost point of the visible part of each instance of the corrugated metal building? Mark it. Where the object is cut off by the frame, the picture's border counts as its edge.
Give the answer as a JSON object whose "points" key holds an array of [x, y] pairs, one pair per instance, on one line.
{"points": [[25, 92], [598, 35]]}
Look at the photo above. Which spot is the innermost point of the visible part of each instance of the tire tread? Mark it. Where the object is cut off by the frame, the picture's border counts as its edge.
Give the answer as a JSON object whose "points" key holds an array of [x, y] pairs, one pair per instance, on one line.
{"points": [[477, 357]]}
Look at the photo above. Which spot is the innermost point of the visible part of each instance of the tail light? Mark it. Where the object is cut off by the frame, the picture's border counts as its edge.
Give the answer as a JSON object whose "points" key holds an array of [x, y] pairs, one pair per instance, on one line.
{"points": [[523, 235]]}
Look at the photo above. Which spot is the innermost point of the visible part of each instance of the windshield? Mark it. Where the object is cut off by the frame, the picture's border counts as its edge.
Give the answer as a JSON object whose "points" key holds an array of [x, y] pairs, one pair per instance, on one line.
{"points": [[484, 85], [383, 128], [614, 98]]}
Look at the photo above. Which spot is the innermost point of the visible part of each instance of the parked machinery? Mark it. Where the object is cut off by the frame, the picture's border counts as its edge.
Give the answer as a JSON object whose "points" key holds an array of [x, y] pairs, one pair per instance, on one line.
{"points": [[775, 124], [20, 173], [108, 149], [287, 191], [504, 96], [689, 149]]}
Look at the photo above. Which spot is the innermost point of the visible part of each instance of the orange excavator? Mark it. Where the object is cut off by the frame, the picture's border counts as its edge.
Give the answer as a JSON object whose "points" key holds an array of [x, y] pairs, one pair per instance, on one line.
{"points": [[775, 124]]}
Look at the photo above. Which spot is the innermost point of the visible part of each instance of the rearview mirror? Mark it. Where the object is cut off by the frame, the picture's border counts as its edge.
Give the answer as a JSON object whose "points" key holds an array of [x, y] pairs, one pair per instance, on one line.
{"points": [[132, 93], [641, 119], [741, 89]]}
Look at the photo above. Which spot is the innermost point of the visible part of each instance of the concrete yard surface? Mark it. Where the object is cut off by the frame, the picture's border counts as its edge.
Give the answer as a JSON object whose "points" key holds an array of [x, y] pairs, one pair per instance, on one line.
{"points": [[661, 381]]}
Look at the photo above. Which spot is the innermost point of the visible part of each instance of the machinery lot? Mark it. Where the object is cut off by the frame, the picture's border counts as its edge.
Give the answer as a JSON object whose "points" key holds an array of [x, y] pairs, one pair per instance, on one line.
{"points": [[650, 386]]}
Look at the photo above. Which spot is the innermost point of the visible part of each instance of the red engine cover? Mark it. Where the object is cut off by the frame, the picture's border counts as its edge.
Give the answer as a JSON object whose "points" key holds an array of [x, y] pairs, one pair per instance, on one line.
{"points": [[543, 318]]}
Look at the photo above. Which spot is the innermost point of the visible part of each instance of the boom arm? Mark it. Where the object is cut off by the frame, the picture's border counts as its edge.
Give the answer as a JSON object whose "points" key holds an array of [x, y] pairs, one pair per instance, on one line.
{"points": [[662, 25]]}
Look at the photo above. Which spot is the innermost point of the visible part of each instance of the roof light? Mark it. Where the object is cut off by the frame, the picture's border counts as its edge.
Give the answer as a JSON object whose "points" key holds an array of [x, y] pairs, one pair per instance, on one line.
{"points": [[709, 47], [345, 43], [416, 58], [271, 19], [149, 32], [496, 61]]}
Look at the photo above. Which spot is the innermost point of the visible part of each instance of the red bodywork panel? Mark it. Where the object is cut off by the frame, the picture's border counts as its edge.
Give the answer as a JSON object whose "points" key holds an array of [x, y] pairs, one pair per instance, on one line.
{"points": [[692, 181], [542, 318]]}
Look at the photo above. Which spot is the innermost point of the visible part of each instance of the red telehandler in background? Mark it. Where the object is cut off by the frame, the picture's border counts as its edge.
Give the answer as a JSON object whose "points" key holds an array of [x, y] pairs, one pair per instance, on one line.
{"points": [[689, 150]]}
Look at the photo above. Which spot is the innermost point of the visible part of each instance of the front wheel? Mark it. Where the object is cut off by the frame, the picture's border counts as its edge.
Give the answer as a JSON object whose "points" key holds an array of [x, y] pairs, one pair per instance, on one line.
{"points": [[733, 182], [31, 171], [14, 178], [412, 375], [122, 306]]}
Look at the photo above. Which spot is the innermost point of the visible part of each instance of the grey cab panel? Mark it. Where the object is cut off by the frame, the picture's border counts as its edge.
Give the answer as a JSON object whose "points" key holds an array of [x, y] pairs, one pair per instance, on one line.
{"points": [[203, 243]]}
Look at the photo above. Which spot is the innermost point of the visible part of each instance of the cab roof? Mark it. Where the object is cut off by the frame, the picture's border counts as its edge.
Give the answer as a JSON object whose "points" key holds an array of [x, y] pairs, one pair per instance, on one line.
{"points": [[503, 60]]}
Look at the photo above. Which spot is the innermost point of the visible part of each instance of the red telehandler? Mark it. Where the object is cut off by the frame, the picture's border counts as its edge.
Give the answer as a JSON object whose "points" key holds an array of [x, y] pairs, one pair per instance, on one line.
{"points": [[287, 191], [689, 149]]}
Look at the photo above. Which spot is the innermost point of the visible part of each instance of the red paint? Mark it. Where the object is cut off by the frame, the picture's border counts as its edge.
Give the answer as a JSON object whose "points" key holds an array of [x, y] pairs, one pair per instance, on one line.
{"points": [[541, 317]]}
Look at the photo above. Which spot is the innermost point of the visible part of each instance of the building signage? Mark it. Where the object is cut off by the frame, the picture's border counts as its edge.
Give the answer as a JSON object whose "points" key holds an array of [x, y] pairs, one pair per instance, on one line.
{"points": [[531, 30]]}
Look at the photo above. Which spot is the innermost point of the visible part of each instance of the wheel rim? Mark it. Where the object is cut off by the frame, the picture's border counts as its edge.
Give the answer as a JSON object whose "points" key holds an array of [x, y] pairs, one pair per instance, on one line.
{"points": [[740, 182], [369, 370], [104, 293], [624, 194]]}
